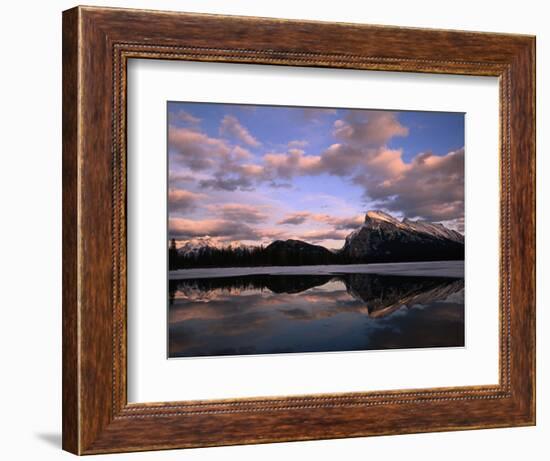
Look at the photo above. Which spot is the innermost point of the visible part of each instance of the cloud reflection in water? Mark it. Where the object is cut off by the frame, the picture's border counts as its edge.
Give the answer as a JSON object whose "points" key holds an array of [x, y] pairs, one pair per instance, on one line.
{"points": [[267, 314]]}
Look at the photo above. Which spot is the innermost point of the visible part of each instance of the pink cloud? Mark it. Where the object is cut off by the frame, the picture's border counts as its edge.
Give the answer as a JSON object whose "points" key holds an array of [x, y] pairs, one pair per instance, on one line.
{"points": [[252, 170], [298, 144], [347, 223], [241, 153], [181, 228], [341, 159], [316, 115], [430, 187], [369, 128], [388, 163], [185, 117], [230, 126], [183, 200], [272, 233], [222, 230], [196, 150], [323, 234], [297, 218], [241, 212], [339, 223], [219, 160], [292, 163], [224, 181]]}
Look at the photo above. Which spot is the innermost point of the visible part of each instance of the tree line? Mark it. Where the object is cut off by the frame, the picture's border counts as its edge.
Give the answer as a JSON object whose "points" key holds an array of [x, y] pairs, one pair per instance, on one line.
{"points": [[248, 257], [307, 255]]}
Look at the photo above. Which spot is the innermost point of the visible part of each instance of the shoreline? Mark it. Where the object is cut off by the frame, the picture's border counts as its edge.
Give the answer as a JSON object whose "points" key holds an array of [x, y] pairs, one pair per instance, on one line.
{"points": [[452, 269]]}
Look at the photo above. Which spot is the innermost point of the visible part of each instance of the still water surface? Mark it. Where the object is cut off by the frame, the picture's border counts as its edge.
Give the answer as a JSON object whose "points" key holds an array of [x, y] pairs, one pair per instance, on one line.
{"points": [[269, 314]]}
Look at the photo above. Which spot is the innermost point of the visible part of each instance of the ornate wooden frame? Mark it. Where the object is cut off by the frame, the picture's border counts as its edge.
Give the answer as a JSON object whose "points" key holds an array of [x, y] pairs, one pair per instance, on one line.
{"points": [[97, 43]]}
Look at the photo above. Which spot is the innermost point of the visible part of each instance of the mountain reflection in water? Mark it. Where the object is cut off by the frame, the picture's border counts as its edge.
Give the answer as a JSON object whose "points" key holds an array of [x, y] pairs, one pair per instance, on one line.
{"points": [[266, 314]]}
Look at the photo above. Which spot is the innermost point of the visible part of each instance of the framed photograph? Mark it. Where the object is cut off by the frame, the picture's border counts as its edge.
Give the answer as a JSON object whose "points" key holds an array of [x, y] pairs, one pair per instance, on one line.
{"points": [[281, 230]]}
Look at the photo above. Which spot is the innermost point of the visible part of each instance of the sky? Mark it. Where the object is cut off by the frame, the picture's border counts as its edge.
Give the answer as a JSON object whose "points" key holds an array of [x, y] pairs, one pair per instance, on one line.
{"points": [[254, 174]]}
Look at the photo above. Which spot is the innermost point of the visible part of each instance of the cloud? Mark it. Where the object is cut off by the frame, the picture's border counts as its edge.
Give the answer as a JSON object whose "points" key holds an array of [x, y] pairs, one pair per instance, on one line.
{"points": [[368, 127], [222, 230], [339, 223], [251, 170], [217, 158], [341, 159], [241, 153], [182, 200], [280, 185], [196, 150], [348, 223], [316, 114], [323, 234], [430, 187], [298, 144], [230, 184], [297, 218], [241, 212], [338, 160], [230, 126], [184, 117], [181, 229], [292, 163], [273, 233], [178, 176]]}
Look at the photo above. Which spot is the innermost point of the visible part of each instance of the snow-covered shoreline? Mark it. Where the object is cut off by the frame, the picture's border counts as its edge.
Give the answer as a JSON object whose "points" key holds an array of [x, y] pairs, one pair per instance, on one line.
{"points": [[453, 269]]}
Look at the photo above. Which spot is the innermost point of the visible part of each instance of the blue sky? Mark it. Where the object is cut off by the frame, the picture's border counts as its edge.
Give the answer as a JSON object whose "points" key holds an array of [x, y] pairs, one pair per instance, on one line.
{"points": [[257, 173]]}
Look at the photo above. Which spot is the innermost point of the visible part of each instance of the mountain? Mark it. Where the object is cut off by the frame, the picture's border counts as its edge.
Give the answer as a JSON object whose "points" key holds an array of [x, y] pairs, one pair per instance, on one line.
{"points": [[208, 252], [383, 238], [297, 253], [200, 245], [197, 245], [434, 229]]}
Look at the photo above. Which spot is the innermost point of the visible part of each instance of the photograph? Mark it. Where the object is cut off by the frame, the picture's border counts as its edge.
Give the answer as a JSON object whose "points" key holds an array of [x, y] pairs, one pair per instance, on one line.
{"points": [[309, 229]]}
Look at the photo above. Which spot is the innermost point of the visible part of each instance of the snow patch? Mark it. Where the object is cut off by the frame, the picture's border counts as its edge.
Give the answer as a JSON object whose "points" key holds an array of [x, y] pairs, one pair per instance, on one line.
{"points": [[454, 269]]}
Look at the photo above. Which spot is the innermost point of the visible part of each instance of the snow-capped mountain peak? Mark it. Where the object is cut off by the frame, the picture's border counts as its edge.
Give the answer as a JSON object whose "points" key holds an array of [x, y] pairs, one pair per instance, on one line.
{"points": [[381, 216], [435, 229], [198, 243], [384, 238], [201, 244], [374, 218]]}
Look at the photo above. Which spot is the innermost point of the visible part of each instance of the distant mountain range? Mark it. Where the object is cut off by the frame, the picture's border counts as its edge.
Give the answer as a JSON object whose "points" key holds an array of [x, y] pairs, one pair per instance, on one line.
{"points": [[381, 238], [200, 244]]}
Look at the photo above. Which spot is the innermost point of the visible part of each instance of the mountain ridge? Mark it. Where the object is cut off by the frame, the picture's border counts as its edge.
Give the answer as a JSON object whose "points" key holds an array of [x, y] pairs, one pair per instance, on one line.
{"points": [[381, 238]]}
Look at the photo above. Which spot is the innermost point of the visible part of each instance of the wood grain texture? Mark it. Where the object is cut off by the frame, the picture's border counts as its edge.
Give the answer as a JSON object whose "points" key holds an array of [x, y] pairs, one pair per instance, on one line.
{"points": [[70, 384], [97, 43]]}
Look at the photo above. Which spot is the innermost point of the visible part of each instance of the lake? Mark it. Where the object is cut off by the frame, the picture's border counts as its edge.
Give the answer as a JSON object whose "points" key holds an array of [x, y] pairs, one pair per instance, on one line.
{"points": [[264, 313]]}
